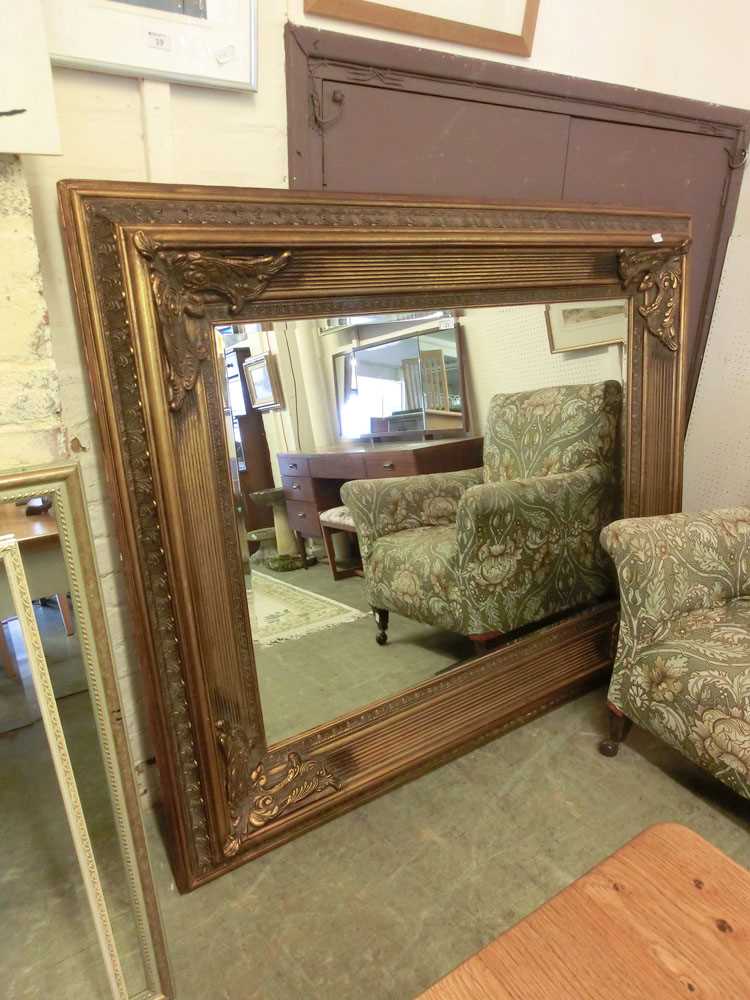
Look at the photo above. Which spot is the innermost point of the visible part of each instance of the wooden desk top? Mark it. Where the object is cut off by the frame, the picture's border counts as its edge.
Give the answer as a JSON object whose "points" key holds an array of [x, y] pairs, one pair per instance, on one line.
{"points": [[668, 915], [28, 530], [367, 447]]}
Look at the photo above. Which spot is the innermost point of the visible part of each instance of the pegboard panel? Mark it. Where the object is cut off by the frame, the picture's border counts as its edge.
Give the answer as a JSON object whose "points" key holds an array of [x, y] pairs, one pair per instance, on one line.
{"points": [[507, 349], [717, 455]]}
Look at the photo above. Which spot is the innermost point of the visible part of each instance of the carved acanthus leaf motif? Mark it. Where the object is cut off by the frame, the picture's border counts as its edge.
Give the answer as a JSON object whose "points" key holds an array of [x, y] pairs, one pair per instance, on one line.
{"points": [[657, 273], [184, 283], [252, 801]]}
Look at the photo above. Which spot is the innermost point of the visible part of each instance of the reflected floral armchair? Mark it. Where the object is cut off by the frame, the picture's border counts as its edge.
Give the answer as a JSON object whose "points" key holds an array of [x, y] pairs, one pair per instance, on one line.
{"points": [[484, 552], [682, 669]]}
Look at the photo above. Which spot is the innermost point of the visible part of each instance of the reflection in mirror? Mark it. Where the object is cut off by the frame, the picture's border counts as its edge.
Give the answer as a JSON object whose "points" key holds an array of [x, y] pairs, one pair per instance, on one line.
{"points": [[49, 944], [394, 376], [450, 471]]}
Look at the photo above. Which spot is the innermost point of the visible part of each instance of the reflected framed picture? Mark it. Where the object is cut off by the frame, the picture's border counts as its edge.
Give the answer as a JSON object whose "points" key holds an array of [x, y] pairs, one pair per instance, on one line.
{"points": [[263, 382], [209, 43], [576, 326]]}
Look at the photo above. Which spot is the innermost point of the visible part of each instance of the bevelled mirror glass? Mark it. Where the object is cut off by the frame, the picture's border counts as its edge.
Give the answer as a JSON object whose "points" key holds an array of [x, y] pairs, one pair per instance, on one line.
{"points": [[544, 385]]}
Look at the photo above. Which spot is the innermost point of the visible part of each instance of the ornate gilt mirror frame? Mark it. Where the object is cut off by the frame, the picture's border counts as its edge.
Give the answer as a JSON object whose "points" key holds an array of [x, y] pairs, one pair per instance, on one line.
{"points": [[153, 268]]}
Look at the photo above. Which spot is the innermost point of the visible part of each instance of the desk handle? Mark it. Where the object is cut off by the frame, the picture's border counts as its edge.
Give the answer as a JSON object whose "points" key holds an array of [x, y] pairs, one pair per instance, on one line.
{"points": [[387, 465], [301, 515], [296, 486], [292, 465]]}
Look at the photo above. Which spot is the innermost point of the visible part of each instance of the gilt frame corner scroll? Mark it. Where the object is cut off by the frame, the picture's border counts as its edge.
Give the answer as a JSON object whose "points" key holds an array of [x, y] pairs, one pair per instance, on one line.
{"points": [[153, 267]]}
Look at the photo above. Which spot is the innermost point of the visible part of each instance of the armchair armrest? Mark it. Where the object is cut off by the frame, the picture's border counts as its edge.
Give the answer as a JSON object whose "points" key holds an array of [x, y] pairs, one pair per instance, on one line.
{"points": [[531, 547], [670, 565], [383, 506]]}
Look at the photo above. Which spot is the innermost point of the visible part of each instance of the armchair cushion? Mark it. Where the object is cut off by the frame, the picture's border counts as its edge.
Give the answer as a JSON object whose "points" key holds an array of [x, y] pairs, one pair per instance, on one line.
{"points": [[683, 655], [385, 506], [414, 573], [519, 552], [691, 687], [495, 549], [529, 548], [669, 566], [551, 430]]}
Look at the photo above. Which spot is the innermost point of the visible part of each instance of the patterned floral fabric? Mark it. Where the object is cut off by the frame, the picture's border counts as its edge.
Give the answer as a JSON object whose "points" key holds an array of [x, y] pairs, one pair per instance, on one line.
{"points": [[473, 555], [383, 506], [683, 656], [552, 430], [337, 517], [415, 573]]}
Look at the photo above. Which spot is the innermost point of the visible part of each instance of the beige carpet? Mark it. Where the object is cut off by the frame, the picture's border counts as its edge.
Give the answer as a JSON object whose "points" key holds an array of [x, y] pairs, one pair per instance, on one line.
{"points": [[281, 611]]}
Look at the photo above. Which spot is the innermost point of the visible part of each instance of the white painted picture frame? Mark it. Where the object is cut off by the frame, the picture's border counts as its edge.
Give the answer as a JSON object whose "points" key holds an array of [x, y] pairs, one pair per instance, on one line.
{"points": [[220, 50]]}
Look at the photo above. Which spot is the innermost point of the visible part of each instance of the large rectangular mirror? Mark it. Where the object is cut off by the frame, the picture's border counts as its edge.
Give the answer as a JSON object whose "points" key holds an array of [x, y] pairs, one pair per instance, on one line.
{"points": [[363, 451]]}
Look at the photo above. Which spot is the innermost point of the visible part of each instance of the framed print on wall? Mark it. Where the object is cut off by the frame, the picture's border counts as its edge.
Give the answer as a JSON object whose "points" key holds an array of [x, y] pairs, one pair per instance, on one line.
{"points": [[576, 326], [263, 382], [502, 26], [209, 43]]}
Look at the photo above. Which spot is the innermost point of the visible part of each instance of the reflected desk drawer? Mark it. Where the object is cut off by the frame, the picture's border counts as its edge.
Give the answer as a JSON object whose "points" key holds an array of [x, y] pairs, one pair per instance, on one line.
{"points": [[338, 466], [293, 465], [303, 517], [298, 488], [382, 464]]}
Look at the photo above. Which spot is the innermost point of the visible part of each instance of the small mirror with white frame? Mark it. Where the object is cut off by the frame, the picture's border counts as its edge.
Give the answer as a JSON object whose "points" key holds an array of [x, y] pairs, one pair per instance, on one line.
{"points": [[72, 832]]}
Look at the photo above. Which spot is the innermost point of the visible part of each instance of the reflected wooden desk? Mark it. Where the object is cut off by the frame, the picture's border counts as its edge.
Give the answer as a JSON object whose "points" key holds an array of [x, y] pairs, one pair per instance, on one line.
{"points": [[312, 480], [30, 532], [39, 541], [666, 916]]}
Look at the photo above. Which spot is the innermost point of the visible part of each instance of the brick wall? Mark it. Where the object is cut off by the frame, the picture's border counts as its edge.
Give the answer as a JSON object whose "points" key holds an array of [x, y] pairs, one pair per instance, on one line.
{"points": [[31, 430]]}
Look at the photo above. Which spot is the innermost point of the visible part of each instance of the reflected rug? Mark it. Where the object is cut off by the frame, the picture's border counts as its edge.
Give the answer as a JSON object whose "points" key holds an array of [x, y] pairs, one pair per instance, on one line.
{"points": [[280, 611]]}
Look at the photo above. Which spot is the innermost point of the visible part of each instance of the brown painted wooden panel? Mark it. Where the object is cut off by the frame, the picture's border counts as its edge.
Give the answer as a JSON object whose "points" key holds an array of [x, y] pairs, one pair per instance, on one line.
{"points": [[414, 121], [401, 142], [615, 164]]}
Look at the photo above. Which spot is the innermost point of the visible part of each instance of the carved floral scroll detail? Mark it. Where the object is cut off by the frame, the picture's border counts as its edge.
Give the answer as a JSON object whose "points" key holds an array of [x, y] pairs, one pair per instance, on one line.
{"points": [[184, 283], [656, 273], [253, 801]]}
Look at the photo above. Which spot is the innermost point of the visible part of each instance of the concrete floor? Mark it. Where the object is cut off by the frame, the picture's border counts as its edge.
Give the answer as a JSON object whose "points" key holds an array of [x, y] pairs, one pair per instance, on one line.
{"points": [[383, 901], [378, 903], [48, 944], [305, 682]]}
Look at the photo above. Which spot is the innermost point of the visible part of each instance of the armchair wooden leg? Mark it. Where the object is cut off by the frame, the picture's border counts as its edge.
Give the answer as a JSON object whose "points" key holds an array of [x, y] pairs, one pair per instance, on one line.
{"points": [[619, 727], [485, 642], [381, 620]]}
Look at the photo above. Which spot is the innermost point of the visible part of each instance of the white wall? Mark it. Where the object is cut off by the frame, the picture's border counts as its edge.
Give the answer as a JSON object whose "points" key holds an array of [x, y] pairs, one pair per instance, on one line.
{"points": [[116, 128], [507, 350], [113, 127], [30, 420], [689, 48]]}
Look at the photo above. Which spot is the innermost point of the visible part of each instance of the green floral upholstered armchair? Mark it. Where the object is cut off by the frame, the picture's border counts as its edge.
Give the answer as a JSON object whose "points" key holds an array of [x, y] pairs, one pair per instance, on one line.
{"points": [[486, 551], [683, 656]]}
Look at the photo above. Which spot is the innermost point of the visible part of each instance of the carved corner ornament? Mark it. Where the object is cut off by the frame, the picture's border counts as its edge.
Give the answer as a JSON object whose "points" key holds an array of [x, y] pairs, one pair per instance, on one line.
{"points": [[252, 801], [657, 273], [184, 283]]}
